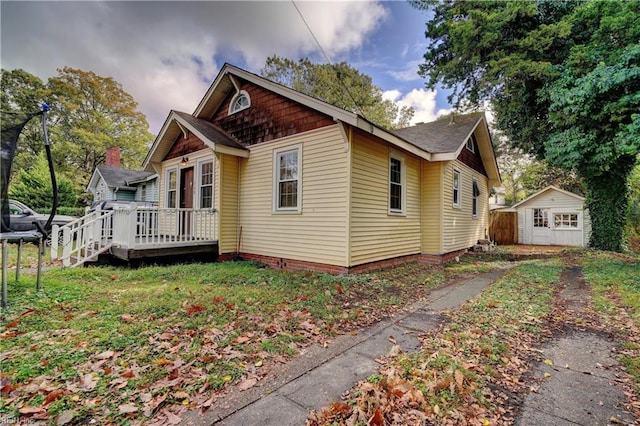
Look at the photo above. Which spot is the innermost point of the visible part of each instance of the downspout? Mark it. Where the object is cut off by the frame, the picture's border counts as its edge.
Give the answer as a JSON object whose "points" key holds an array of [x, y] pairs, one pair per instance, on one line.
{"points": [[239, 226], [347, 135]]}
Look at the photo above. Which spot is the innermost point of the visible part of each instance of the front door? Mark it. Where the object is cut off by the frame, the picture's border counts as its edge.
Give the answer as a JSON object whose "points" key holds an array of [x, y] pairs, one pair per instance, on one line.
{"points": [[186, 199]]}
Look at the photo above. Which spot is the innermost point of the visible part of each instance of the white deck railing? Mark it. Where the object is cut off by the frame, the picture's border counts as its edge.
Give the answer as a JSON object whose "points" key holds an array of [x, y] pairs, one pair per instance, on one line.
{"points": [[137, 228]]}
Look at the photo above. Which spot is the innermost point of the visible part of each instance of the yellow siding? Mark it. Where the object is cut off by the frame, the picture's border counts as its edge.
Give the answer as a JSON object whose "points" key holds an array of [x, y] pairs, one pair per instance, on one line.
{"points": [[319, 232], [227, 187], [460, 229], [376, 234], [432, 201]]}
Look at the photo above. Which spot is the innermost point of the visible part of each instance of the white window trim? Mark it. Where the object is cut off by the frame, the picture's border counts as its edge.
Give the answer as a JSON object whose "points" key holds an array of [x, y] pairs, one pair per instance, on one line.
{"points": [[403, 184], [275, 186], [235, 98], [453, 188], [475, 199], [470, 145], [199, 164], [166, 186], [552, 220]]}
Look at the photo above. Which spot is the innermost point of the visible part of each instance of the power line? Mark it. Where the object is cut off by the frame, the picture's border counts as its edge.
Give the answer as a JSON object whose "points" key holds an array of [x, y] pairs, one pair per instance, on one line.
{"points": [[326, 57]]}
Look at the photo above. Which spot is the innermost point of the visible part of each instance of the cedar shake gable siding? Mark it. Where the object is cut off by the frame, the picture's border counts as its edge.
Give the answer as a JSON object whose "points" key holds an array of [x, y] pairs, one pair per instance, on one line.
{"points": [[473, 159], [269, 117]]}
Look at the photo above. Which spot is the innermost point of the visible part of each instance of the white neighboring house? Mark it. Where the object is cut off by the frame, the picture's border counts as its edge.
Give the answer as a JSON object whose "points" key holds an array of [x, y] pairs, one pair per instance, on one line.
{"points": [[115, 183], [553, 216]]}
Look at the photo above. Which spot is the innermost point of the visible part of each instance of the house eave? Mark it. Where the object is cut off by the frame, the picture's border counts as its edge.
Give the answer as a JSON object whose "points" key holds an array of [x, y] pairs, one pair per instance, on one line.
{"points": [[216, 147]]}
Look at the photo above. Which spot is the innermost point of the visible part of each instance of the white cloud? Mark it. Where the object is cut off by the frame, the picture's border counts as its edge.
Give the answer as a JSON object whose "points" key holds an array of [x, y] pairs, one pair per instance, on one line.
{"points": [[166, 54], [423, 102], [409, 73]]}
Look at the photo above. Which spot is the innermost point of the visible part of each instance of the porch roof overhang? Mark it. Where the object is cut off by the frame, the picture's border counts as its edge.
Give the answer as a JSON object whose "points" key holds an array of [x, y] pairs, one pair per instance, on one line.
{"points": [[180, 122]]}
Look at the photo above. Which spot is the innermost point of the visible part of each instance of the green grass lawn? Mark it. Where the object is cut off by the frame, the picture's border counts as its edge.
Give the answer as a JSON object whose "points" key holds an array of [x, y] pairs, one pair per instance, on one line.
{"points": [[465, 367], [116, 345], [615, 282]]}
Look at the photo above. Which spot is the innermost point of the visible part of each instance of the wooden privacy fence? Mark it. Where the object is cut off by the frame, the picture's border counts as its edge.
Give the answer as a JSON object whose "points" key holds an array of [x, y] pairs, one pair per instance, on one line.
{"points": [[503, 227]]}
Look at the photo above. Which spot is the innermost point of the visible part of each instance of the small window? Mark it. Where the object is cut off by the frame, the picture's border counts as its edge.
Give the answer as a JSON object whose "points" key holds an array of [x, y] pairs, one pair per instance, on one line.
{"points": [[143, 193], [565, 220], [475, 195], [172, 188], [206, 185], [396, 184], [471, 143], [287, 186], [456, 188], [239, 102], [540, 218]]}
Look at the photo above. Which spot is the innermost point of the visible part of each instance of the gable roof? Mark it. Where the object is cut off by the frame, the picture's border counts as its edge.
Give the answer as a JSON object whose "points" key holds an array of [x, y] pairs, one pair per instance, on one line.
{"points": [[227, 81], [548, 188], [431, 141], [115, 177], [180, 122], [443, 135]]}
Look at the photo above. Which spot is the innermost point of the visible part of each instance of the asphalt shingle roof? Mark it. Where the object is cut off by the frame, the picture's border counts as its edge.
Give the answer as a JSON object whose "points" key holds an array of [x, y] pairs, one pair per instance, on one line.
{"points": [[117, 177], [211, 132], [441, 136]]}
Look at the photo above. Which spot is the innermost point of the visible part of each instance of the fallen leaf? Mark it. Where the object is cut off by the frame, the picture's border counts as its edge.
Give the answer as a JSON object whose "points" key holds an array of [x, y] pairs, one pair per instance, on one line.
{"points": [[65, 417], [459, 379], [392, 340], [547, 375], [127, 318], [12, 324], [105, 355], [88, 381], [28, 409], [247, 384], [376, 419], [27, 312], [181, 395], [127, 408], [548, 362]]}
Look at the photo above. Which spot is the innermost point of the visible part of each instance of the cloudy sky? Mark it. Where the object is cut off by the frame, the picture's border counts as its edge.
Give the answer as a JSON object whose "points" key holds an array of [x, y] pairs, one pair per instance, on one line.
{"points": [[166, 53]]}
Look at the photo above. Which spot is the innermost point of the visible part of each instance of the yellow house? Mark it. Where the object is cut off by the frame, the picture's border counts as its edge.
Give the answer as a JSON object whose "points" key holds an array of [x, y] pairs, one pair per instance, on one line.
{"points": [[298, 183]]}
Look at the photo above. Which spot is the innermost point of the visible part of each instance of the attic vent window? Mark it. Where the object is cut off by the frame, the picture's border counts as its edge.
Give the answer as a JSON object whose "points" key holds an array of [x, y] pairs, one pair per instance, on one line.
{"points": [[239, 102], [471, 143]]}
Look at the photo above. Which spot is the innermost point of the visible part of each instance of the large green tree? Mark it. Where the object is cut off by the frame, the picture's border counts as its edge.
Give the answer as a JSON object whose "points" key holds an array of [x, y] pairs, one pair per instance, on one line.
{"points": [[89, 113], [340, 85], [564, 82]]}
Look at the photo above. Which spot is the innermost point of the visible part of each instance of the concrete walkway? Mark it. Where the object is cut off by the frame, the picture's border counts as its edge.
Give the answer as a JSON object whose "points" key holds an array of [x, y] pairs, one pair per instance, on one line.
{"points": [[320, 376], [577, 384]]}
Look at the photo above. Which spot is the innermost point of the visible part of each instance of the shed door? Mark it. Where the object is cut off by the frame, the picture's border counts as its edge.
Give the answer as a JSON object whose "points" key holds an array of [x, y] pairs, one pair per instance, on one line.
{"points": [[540, 230]]}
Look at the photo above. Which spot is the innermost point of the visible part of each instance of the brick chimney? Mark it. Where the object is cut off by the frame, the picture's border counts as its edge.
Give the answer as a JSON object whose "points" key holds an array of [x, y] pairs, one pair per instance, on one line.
{"points": [[113, 157]]}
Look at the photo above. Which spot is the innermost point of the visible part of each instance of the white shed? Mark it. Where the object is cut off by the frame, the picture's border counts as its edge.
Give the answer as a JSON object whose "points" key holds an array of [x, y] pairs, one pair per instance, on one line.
{"points": [[553, 217]]}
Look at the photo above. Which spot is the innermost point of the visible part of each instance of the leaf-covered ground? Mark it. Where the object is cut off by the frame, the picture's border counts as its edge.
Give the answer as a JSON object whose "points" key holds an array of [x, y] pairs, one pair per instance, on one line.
{"points": [[474, 369], [136, 346]]}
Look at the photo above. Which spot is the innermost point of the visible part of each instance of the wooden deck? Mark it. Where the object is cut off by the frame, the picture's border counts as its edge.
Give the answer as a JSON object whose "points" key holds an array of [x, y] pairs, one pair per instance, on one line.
{"points": [[142, 252]]}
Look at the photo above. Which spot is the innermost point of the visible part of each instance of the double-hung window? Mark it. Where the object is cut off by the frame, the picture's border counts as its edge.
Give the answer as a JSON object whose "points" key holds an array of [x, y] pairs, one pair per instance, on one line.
{"points": [[172, 188], [206, 185], [396, 184], [475, 195], [456, 188], [287, 171]]}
